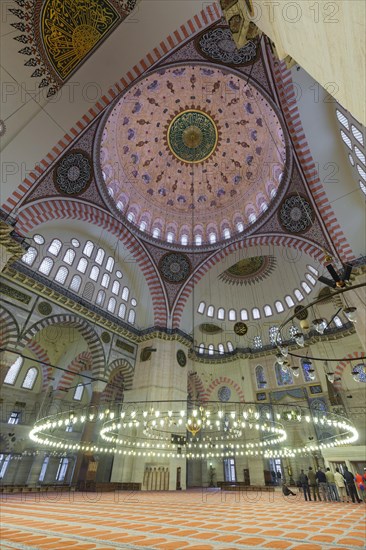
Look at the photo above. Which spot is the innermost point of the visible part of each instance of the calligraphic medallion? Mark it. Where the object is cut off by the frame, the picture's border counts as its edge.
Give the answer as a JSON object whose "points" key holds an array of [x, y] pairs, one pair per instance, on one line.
{"points": [[192, 136]]}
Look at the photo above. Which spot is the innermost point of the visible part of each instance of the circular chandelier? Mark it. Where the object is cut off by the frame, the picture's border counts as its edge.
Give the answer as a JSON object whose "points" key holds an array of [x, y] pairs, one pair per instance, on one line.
{"points": [[181, 429]]}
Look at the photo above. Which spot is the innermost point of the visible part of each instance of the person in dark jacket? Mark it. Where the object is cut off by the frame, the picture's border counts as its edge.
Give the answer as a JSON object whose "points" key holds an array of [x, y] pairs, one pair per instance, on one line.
{"points": [[286, 491], [350, 484], [313, 483], [303, 479], [322, 484]]}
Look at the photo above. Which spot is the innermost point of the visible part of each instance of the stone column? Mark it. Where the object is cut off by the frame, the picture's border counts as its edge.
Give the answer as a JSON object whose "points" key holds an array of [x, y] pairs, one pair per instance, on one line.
{"points": [[158, 377], [83, 459], [256, 470]]}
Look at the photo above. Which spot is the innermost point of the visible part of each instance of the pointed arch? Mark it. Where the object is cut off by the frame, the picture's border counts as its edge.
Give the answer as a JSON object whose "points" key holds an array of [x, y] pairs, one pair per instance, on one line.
{"points": [[121, 366], [9, 329], [340, 368], [225, 381], [42, 356], [80, 363], [195, 387], [95, 346]]}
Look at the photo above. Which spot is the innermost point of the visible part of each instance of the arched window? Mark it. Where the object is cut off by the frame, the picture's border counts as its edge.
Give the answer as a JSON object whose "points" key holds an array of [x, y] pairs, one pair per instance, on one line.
{"points": [[307, 369], [78, 394], [263, 207], [88, 248], [359, 373], [230, 346], [62, 469], [306, 287], [30, 378], [226, 233], [112, 305], [122, 311], [115, 287], [257, 342], [221, 349], [125, 293], [240, 227], [38, 239], [310, 278], [46, 266], [357, 134], [342, 119], [131, 316], [274, 335], [131, 217], [55, 247], [244, 315], [184, 240], [313, 270], [82, 265], [211, 349], [283, 375], [289, 301], [105, 280], [279, 306], [69, 256], [94, 273], [252, 217], [44, 468], [110, 264], [61, 275], [75, 283], [100, 298], [201, 307], [346, 140], [260, 377], [30, 256], [100, 256], [298, 295], [212, 238], [170, 237], [256, 314], [120, 205], [143, 225], [360, 155], [293, 329], [267, 311], [88, 291], [198, 240], [156, 233], [13, 371], [201, 348], [232, 315], [221, 313], [210, 311]]}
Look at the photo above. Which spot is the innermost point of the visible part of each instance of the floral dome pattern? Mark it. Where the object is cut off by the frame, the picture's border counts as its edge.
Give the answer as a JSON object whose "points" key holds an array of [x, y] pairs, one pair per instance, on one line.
{"points": [[192, 154]]}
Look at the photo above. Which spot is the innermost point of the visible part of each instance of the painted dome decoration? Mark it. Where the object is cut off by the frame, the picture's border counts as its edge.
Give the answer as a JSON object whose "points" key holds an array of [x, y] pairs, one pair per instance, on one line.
{"points": [[190, 153]]}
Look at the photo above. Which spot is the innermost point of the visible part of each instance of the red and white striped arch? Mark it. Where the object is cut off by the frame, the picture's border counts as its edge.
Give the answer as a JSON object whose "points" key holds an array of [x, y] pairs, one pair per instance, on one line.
{"points": [[224, 381], [348, 361], [287, 241], [35, 214]]}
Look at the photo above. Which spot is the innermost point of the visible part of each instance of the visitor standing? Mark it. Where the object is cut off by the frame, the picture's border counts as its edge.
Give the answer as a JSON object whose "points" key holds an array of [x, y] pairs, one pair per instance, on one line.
{"points": [[304, 481], [332, 487], [341, 485], [350, 484], [322, 484], [313, 483]]}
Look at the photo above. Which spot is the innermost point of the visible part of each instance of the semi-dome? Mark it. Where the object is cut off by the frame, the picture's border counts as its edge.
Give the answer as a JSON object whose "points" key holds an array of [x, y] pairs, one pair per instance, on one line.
{"points": [[192, 154]]}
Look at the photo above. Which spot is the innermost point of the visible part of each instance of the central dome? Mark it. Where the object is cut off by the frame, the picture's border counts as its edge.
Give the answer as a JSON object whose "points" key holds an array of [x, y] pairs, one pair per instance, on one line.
{"points": [[192, 154]]}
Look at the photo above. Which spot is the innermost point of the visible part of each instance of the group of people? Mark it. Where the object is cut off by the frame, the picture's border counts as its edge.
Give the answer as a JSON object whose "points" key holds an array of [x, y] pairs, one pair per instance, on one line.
{"points": [[336, 487]]}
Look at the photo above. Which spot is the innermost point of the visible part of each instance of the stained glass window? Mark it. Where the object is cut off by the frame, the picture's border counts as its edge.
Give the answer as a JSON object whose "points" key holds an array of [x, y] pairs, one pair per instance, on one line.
{"points": [[260, 377], [306, 367], [283, 375]]}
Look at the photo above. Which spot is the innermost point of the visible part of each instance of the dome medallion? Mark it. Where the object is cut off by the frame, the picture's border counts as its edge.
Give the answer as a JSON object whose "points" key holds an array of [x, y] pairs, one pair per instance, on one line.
{"points": [[192, 136]]}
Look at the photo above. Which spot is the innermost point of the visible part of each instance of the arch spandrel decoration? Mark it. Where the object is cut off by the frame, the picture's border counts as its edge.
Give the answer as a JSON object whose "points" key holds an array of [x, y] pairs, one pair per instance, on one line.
{"points": [[62, 34]]}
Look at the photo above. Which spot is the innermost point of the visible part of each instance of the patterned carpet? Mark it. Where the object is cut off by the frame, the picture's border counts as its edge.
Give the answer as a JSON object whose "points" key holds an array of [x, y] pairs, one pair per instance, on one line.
{"points": [[199, 520]]}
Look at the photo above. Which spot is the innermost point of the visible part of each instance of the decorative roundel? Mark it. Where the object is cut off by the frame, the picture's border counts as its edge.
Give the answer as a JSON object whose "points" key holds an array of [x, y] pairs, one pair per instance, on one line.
{"points": [[73, 173], [44, 308], [218, 45], [296, 214], [174, 267], [301, 313], [106, 337], [192, 136], [181, 358], [240, 328], [224, 393]]}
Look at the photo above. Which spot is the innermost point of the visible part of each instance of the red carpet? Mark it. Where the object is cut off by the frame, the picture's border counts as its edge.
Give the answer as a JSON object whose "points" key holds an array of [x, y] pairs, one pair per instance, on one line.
{"points": [[200, 520]]}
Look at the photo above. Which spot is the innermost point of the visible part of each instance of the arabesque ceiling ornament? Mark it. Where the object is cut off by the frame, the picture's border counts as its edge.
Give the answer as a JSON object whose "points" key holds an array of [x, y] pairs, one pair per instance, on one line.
{"points": [[296, 214], [249, 270], [73, 173], [59, 35], [175, 267], [218, 45]]}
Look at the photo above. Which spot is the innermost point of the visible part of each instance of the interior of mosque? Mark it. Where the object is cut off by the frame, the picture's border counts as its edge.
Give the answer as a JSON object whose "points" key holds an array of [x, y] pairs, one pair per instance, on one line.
{"points": [[172, 191]]}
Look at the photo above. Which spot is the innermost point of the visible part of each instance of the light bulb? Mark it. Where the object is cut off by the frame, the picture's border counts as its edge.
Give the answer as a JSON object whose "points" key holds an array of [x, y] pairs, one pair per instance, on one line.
{"points": [[350, 313]]}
